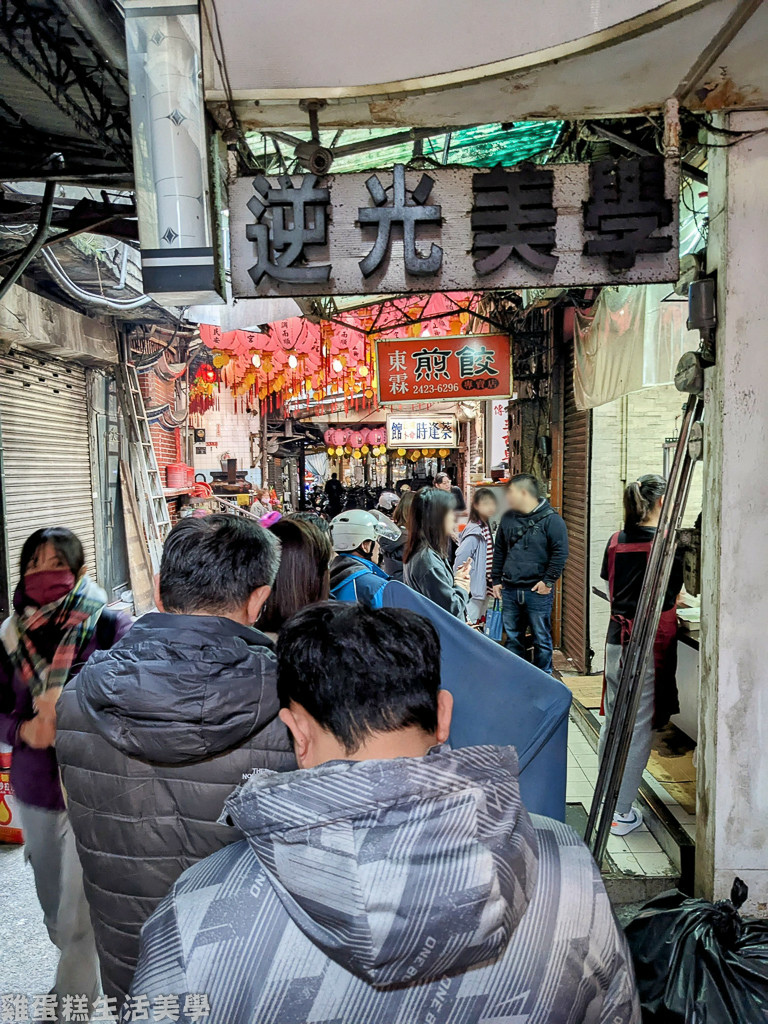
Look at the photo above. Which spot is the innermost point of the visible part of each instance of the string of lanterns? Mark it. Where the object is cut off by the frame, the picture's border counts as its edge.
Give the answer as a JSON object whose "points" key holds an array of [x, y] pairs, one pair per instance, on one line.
{"points": [[357, 443], [296, 360], [371, 440], [330, 362]]}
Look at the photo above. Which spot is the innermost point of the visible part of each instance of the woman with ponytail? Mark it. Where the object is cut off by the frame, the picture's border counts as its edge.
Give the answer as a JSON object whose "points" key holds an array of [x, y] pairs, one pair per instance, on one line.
{"points": [[626, 557]]}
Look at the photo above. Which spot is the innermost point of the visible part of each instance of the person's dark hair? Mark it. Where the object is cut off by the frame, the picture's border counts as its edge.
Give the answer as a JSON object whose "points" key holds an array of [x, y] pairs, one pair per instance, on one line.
{"points": [[477, 497], [528, 483], [65, 543], [640, 497], [334, 476], [359, 670], [309, 517], [214, 564], [302, 579], [403, 508], [426, 522]]}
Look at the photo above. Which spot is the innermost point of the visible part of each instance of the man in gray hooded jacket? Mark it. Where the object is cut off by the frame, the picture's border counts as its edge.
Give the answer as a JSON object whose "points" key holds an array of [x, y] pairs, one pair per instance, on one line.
{"points": [[390, 879]]}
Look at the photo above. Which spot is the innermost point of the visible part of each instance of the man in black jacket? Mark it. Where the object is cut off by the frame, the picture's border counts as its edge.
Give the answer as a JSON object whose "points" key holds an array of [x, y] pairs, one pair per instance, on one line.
{"points": [[528, 558], [154, 734]]}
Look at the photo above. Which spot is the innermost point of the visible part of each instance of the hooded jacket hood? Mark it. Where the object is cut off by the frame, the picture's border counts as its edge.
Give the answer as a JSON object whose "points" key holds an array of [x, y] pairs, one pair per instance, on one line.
{"points": [[398, 870], [345, 565], [473, 528], [178, 689]]}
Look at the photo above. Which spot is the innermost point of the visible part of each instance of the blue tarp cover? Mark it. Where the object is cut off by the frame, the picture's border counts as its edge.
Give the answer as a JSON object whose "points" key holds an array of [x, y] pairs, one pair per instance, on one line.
{"points": [[500, 699]]}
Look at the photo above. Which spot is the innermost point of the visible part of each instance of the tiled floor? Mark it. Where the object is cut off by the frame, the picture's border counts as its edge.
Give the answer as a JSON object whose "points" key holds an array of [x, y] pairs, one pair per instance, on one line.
{"points": [[638, 853], [688, 821]]}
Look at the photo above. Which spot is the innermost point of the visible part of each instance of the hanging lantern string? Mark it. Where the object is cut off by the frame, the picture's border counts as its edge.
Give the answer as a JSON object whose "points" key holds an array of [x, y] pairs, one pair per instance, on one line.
{"points": [[296, 359]]}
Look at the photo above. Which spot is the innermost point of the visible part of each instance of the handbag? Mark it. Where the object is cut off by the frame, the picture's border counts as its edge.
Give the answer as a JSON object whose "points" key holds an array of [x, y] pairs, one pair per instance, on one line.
{"points": [[494, 626]]}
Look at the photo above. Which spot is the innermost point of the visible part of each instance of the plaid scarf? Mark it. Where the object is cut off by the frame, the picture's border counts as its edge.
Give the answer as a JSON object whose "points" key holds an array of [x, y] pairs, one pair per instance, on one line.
{"points": [[73, 616]]}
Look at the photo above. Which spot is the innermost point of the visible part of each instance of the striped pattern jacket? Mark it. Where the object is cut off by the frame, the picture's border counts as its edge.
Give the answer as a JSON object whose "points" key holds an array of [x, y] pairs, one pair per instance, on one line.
{"points": [[411, 891]]}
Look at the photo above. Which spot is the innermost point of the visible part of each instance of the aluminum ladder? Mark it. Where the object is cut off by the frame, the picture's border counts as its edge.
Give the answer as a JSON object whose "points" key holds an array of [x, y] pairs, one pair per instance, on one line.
{"points": [[639, 649], [148, 481]]}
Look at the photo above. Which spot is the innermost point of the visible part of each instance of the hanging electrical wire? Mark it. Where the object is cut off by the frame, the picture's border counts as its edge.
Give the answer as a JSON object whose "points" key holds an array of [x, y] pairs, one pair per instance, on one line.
{"points": [[89, 298]]}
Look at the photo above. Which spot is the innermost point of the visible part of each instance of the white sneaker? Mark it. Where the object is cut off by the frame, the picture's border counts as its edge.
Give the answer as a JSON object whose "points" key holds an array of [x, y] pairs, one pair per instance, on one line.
{"points": [[623, 824]]}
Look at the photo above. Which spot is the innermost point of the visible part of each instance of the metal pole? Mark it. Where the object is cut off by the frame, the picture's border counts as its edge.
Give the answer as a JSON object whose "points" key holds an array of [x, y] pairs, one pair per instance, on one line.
{"points": [[640, 646], [264, 457], [302, 474], [35, 243]]}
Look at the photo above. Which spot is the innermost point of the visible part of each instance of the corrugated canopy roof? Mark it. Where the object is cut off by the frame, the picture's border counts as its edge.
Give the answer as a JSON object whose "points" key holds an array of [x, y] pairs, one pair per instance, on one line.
{"points": [[481, 146]]}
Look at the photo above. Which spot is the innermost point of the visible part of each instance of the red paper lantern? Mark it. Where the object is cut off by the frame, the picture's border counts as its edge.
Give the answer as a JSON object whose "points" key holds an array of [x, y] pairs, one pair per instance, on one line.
{"points": [[207, 373]]}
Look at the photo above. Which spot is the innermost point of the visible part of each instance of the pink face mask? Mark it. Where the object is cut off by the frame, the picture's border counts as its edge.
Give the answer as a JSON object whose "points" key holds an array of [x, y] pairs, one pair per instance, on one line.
{"points": [[49, 586]]}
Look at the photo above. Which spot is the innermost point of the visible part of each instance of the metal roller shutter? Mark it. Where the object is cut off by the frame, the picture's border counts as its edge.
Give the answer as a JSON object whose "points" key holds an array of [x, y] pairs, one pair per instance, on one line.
{"points": [[576, 463], [46, 453]]}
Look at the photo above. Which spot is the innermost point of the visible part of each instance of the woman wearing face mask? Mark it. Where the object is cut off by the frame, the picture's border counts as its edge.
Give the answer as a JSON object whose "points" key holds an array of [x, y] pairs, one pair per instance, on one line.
{"points": [[59, 619], [431, 523]]}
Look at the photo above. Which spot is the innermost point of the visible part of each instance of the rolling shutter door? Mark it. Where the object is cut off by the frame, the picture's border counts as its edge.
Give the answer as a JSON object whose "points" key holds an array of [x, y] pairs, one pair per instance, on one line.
{"points": [[46, 454], [576, 462]]}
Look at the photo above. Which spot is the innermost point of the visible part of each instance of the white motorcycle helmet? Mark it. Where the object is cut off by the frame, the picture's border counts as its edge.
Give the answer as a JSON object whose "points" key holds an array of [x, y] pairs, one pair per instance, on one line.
{"points": [[351, 529], [387, 500]]}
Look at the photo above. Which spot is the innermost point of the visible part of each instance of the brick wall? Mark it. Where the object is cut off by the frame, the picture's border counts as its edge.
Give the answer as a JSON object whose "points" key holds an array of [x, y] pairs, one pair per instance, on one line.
{"points": [[627, 439], [159, 392], [228, 429]]}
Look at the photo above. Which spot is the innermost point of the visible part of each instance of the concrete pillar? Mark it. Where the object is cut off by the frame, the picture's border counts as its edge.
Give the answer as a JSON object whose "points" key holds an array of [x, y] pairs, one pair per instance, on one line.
{"points": [[732, 830]]}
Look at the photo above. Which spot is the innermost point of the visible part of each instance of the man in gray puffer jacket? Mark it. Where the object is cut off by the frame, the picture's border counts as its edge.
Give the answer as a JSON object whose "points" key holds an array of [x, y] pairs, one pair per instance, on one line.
{"points": [[390, 879], [156, 733]]}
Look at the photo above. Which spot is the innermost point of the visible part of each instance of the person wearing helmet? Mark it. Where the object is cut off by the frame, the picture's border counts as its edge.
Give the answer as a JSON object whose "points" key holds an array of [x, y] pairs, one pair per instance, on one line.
{"points": [[355, 574], [387, 502]]}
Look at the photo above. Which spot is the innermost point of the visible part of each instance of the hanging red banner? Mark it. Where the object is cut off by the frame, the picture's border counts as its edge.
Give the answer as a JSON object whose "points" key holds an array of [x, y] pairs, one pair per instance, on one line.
{"points": [[465, 366]]}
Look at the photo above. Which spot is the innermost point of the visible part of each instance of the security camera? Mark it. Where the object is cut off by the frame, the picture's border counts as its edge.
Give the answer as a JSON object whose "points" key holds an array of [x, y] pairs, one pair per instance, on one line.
{"points": [[314, 157]]}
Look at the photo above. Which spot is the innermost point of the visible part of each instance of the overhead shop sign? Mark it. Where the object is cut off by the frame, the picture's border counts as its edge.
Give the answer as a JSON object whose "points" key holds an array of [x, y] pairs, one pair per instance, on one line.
{"points": [[434, 369], [455, 229], [425, 431]]}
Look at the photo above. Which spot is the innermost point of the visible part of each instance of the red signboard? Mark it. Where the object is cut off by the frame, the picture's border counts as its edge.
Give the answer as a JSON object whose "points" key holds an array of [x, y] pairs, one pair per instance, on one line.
{"points": [[443, 369]]}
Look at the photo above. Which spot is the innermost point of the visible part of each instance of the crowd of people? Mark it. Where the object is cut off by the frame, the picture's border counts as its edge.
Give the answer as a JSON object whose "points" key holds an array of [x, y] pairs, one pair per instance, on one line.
{"points": [[246, 801]]}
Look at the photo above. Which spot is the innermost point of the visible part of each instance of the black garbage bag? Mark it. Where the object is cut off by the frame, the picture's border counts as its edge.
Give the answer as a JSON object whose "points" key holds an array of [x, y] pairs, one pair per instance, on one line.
{"points": [[699, 962]]}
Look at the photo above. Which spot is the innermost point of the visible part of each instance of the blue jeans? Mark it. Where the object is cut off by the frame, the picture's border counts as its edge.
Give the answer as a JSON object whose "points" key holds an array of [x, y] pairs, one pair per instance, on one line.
{"points": [[521, 608]]}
